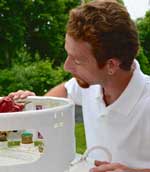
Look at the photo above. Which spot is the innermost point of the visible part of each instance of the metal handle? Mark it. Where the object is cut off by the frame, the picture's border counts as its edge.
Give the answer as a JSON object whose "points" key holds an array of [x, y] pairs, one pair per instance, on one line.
{"points": [[88, 151]]}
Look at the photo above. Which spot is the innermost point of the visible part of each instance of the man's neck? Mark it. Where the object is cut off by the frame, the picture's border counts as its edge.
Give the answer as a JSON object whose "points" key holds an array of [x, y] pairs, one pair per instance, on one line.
{"points": [[115, 87]]}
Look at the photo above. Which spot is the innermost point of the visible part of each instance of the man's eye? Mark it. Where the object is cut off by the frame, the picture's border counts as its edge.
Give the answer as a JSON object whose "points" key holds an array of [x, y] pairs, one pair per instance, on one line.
{"points": [[77, 62]]}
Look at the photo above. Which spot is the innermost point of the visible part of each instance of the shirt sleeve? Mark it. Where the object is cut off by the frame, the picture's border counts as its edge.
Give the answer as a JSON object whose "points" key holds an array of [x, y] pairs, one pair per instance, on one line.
{"points": [[74, 91]]}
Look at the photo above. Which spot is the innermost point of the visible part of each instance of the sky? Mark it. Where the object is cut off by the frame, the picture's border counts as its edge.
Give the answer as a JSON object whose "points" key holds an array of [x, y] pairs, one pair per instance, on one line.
{"points": [[137, 8]]}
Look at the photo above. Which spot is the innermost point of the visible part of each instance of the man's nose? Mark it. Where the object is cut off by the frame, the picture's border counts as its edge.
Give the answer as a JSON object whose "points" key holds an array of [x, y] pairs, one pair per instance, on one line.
{"points": [[68, 66]]}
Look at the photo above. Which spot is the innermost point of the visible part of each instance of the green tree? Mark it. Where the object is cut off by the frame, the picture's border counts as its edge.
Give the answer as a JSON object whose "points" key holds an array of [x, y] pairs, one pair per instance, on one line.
{"points": [[39, 77], [11, 31], [33, 26], [144, 62], [143, 25]]}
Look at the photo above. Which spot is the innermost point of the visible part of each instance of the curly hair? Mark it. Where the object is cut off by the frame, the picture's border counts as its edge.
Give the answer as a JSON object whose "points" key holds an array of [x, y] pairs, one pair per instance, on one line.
{"points": [[108, 28]]}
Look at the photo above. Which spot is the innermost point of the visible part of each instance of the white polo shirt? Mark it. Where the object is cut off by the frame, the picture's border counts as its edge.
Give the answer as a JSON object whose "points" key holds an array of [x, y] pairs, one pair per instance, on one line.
{"points": [[124, 126]]}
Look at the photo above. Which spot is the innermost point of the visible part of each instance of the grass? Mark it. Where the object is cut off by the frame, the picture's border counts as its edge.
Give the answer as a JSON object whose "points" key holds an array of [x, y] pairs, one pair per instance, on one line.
{"points": [[80, 138]]}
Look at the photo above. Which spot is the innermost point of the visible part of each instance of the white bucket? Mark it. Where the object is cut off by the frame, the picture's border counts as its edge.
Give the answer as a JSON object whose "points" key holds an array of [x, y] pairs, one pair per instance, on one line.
{"points": [[55, 120]]}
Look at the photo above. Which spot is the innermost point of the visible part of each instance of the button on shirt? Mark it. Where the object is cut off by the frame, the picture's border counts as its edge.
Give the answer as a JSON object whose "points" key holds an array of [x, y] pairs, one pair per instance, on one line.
{"points": [[123, 127]]}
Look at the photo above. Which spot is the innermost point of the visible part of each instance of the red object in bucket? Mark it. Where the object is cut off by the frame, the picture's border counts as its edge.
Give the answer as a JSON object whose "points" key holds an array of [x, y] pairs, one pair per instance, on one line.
{"points": [[7, 104]]}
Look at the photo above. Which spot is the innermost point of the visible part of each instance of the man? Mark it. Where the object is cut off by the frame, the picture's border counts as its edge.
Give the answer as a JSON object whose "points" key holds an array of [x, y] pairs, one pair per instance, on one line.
{"points": [[102, 43]]}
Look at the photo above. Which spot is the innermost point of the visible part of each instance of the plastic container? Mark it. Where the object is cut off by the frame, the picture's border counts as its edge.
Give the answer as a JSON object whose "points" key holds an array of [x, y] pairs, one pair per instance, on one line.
{"points": [[54, 118]]}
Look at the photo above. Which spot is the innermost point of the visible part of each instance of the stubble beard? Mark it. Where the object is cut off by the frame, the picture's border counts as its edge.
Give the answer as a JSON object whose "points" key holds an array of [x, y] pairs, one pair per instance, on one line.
{"points": [[82, 84]]}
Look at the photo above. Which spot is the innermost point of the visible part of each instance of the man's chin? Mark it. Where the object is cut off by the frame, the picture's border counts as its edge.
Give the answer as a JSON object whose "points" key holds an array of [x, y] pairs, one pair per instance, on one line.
{"points": [[82, 83]]}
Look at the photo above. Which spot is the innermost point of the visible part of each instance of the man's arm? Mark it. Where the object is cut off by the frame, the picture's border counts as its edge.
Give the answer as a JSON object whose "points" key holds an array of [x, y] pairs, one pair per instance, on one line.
{"points": [[58, 91]]}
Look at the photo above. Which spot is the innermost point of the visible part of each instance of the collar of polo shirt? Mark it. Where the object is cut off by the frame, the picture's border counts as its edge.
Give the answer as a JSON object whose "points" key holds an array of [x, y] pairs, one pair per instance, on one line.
{"points": [[129, 97]]}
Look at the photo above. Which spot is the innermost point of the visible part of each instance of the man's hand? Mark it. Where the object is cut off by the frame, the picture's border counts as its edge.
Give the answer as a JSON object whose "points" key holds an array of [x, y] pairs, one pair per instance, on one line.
{"points": [[102, 166], [21, 94]]}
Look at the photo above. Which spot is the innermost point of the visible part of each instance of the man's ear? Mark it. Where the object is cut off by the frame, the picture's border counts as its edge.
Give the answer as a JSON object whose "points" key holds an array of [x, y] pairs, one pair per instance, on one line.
{"points": [[112, 66]]}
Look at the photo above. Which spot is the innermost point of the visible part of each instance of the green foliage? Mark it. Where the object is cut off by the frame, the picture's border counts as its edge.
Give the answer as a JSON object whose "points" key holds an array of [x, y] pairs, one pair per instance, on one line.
{"points": [[11, 31], [35, 26], [144, 62], [38, 77], [143, 25]]}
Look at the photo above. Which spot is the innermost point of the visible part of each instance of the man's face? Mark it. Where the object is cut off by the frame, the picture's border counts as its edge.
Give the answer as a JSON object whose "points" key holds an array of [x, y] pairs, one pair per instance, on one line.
{"points": [[81, 63]]}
